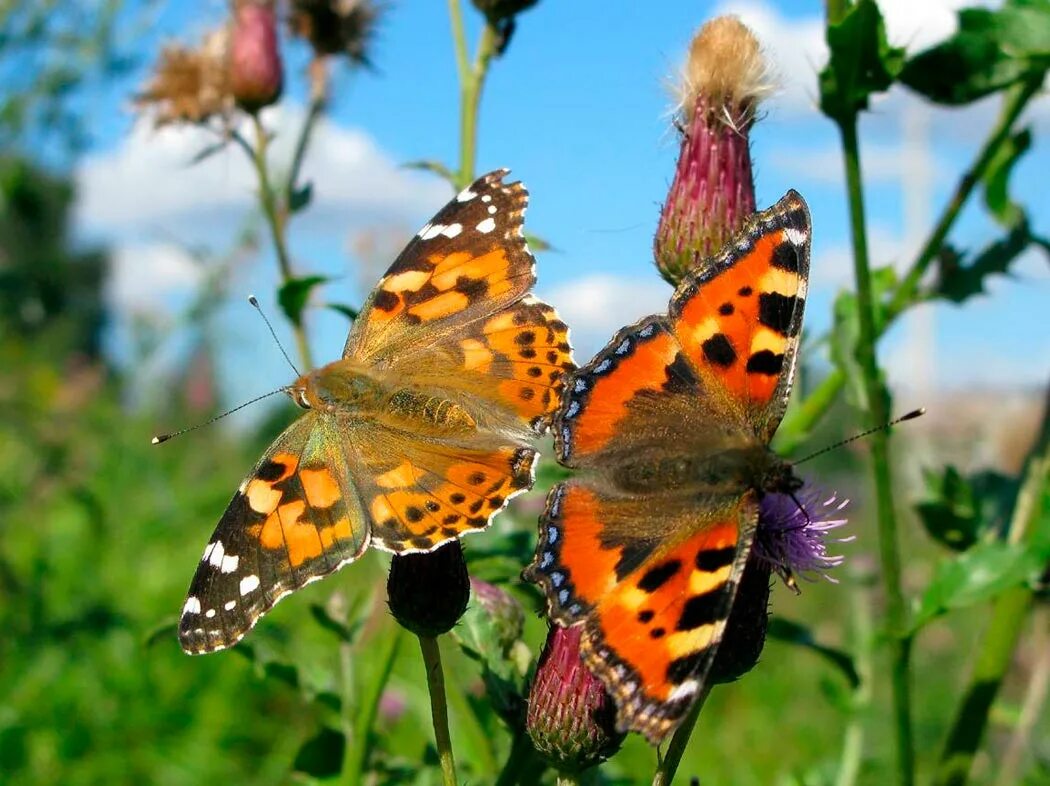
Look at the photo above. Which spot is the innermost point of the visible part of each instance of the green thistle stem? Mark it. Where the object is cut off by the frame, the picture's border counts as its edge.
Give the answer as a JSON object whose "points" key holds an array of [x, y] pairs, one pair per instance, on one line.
{"points": [[679, 741], [276, 220], [889, 554], [438, 707], [471, 84], [356, 729], [1009, 615], [801, 420]]}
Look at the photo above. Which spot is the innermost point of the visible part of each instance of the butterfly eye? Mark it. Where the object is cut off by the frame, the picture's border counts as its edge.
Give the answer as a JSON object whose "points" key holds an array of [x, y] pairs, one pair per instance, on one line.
{"points": [[299, 397]]}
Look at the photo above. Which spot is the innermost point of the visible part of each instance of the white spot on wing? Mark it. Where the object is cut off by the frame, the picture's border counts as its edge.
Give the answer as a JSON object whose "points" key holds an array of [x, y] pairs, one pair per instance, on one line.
{"points": [[229, 563], [230, 605], [686, 689], [192, 606], [465, 195], [795, 236], [216, 555], [431, 231], [486, 226], [452, 230], [209, 613], [249, 584]]}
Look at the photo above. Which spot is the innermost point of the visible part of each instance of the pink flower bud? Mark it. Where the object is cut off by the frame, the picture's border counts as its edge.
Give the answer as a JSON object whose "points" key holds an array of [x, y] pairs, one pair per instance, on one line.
{"points": [[713, 189], [256, 74], [571, 717]]}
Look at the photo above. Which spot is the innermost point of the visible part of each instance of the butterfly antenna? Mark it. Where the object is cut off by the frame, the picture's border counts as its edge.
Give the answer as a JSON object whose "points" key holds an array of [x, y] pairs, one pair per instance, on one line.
{"points": [[909, 416], [255, 302], [165, 437]]}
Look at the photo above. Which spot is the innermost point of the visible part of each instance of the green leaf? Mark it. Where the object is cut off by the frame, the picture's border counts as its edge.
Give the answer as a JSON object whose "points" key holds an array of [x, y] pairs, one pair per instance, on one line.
{"points": [[537, 244], [322, 755], [959, 282], [978, 575], [343, 631], [861, 62], [294, 294], [432, 166], [992, 50], [795, 633], [349, 312], [997, 180], [957, 511], [299, 198], [208, 151]]}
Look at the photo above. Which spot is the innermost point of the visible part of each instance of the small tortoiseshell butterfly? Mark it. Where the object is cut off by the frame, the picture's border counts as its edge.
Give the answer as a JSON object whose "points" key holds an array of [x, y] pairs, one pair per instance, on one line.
{"points": [[669, 427], [418, 435]]}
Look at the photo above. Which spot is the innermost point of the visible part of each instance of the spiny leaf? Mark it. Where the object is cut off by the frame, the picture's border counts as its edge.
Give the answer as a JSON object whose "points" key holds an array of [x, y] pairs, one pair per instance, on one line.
{"points": [[322, 755], [979, 575], [957, 511], [959, 282], [349, 312], [992, 50], [798, 634], [997, 180], [861, 62], [294, 294], [432, 166]]}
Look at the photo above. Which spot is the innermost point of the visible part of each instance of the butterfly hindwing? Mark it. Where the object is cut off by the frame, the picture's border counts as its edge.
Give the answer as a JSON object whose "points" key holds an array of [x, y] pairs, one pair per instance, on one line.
{"points": [[296, 518], [654, 600]]}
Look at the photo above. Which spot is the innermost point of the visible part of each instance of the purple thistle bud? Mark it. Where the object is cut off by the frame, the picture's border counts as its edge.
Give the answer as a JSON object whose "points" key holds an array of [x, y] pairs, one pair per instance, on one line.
{"points": [[571, 717], [713, 190], [792, 535], [256, 73]]}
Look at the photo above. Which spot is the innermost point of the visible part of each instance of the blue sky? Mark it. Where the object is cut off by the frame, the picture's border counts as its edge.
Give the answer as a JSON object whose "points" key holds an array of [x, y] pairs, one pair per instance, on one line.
{"points": [[579, 110]]}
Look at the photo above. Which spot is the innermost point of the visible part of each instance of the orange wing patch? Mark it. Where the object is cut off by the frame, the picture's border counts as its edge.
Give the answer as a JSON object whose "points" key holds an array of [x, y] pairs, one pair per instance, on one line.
{"points": [[434, 496], [641, 357], [654, 634], [739, 318]]}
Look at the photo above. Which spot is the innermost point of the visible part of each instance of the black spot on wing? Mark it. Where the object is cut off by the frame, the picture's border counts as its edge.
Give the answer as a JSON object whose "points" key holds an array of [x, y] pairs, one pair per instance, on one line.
{"points": [[710, 560], [385, 300], [656, 577], [701, 610], [681, 669], [632, 555], [679, 376], [775, 311], [785, 257], [765, 362], [719, 351]]}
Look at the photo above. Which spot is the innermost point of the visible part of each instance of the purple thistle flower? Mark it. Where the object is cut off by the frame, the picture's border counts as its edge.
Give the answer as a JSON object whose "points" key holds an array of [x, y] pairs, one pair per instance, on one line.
{"points": [[793, 532]]}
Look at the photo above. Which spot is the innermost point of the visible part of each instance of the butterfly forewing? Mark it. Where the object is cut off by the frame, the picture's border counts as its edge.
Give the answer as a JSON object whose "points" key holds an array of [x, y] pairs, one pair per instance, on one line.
{"points": [[296, 518]]}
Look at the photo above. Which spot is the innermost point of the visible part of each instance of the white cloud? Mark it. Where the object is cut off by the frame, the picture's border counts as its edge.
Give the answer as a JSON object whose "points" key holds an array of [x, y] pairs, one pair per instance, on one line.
{"points": [[140, 275], [596, 306], [148, 184]]}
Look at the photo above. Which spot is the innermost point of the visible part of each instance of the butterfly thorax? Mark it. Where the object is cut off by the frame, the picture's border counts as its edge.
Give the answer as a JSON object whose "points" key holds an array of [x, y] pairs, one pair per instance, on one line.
{"points": [[723, 471], [347, 388]]}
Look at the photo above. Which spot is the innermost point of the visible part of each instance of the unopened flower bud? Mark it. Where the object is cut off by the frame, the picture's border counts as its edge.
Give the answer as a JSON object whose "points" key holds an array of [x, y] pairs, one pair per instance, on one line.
{"points": [[428, 592], [571, 717], [256, 74], [502, 610], [713, 190]]}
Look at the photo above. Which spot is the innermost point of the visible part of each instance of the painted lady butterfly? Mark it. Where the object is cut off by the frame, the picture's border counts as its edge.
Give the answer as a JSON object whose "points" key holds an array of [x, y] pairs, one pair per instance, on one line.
{"points": [[418, 435]]}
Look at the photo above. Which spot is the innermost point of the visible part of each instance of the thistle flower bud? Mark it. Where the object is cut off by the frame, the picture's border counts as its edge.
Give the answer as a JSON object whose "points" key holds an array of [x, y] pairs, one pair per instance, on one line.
{"points": [[571, 717], [336, 27], [713, 190], [428, 592], [189, 85], [256, 74], [505, 613]]}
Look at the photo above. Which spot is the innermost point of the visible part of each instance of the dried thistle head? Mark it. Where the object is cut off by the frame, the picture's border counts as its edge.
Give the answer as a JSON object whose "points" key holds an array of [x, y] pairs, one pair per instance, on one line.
{"points": [[190, 85], [713, 191], [724, 72], [336, 27]]}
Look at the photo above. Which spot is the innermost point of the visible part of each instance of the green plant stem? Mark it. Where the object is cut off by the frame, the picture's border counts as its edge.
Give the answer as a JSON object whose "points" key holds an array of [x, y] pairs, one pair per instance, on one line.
{"points": [[889, 554], [1032, 708], [679, 741], [852, 756], [438, 707], [471, 84], [355, 754], [275, 219], [804, 417], [318, 102], [1009, 615]]}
